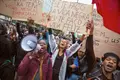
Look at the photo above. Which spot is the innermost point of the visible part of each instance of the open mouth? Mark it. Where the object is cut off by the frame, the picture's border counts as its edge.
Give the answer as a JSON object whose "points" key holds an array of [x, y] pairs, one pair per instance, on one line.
{"points": [[110, 67], [62, 44], [42, 49]]}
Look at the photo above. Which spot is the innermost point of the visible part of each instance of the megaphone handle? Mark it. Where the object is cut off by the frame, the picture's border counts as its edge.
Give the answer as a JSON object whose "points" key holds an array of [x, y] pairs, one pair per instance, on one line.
{"points": [[38, 47], [30, 57]]}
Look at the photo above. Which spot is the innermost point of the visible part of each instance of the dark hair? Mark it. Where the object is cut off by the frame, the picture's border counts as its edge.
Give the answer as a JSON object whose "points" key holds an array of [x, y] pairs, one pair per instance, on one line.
{"points": [[44, 40], [3, 29], [111, 54]]}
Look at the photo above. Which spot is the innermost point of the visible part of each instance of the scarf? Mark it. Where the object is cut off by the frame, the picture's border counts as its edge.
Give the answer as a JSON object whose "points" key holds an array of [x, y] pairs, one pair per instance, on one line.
{"points": [[38, 74]]}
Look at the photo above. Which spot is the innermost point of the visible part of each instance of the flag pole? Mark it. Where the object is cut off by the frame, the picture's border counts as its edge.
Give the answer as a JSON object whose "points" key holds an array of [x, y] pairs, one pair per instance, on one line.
{"points": [[90, 18], [91, 15]]}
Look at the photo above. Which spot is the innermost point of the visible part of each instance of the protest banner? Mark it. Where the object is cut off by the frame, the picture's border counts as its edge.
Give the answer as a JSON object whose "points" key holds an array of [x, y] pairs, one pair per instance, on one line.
{"points": [[65, 16], [6, 8], [69, 16], [105, 40], [22, 9]]}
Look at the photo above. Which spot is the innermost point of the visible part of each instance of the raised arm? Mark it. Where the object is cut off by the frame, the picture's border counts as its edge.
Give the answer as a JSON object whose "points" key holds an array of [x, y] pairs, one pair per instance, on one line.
{"points": [[70, 51], [89, 47], [52, 41]]}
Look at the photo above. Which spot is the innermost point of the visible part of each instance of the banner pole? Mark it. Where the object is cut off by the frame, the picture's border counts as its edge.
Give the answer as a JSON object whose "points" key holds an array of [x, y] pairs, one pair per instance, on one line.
{"points": [[90, 18], [91, 15]]}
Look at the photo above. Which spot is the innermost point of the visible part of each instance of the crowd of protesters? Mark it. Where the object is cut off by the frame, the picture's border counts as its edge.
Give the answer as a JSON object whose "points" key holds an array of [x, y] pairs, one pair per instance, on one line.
{"points": [[60, 57]]}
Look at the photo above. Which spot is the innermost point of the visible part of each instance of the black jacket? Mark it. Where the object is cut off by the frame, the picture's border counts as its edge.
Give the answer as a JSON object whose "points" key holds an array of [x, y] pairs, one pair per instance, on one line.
{"points": [[5, 49], [97, 74]]}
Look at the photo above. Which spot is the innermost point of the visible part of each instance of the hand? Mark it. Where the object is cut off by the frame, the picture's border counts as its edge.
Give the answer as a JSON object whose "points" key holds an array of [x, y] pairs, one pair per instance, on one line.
{"points": [[82, 37], [90, 27], [32, 55], [50, 30], [72, 33], [73, 66]]}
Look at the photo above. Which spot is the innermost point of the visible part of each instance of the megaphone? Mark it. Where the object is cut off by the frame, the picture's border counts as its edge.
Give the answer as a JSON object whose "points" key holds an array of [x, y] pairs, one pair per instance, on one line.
{"points": [[29, 43]]}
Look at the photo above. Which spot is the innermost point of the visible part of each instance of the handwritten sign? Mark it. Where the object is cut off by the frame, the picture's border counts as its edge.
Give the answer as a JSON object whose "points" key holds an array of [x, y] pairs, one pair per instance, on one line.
{"points": [[5, 8], [68, 16], [65, 16], [22, 9], [105, 40]]}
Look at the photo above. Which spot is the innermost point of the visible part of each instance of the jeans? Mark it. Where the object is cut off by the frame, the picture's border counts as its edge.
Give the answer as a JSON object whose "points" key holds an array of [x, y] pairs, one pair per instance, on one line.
{"points": [[73, 77]]}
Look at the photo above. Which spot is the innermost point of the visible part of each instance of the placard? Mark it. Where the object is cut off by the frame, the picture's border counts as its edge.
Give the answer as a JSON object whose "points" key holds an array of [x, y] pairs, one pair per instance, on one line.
{"points": [[69, 16], [22, 9]]}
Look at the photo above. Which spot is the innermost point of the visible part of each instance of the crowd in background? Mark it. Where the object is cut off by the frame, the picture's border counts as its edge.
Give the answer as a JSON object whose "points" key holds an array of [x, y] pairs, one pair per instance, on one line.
{"points": [[60, 58]]}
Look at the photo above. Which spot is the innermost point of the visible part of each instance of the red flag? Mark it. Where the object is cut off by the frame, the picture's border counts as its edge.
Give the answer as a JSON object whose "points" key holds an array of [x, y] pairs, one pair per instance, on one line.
{"points": [[110, 11]]}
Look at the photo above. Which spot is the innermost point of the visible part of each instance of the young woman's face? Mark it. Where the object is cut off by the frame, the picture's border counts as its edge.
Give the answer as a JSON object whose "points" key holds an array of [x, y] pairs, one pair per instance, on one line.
{"points": [[80, 53], [43, 45], [63, 43]]}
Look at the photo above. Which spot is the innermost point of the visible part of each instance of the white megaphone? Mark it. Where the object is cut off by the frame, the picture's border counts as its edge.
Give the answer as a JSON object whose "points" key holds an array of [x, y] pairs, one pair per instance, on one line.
{"points": [[29, 43]]}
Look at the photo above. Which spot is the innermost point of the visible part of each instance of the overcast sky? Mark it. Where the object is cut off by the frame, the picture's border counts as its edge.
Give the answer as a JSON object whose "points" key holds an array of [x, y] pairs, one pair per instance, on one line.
{"points": [[81, 1], [47, 8]]}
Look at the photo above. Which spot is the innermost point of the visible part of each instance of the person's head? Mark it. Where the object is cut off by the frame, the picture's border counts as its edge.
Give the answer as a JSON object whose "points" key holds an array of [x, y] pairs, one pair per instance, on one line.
{"points": [[43, 44], [3, 29], [26, 31], [30, 21], [110, 62], [63, 43], [80, 53]]}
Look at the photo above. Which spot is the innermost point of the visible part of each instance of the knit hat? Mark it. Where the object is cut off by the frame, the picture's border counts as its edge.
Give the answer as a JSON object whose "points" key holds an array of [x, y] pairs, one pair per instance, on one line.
{"points": [[44, 40], [111, 54]]}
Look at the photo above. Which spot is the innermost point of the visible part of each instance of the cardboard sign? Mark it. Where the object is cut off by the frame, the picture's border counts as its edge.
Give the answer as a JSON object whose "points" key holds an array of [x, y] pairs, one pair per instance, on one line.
{"points": [[22, 9], [105, 40], [6, 8], [67, 16], [72, 17]]}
